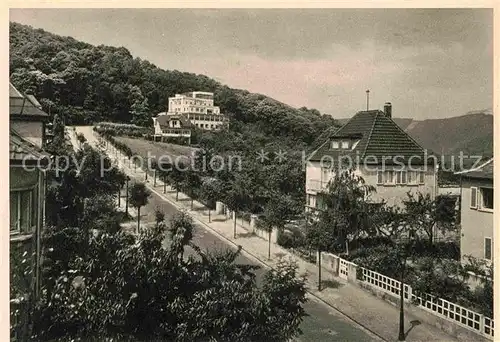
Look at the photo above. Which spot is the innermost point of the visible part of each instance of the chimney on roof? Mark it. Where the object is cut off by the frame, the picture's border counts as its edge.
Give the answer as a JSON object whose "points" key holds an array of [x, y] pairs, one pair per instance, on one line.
{"points": [[388, 109]]}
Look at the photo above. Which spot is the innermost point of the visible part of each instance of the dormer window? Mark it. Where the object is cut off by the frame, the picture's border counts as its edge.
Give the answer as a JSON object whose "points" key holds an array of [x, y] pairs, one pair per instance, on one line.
{"points": [[335, 144], [345, 144]]}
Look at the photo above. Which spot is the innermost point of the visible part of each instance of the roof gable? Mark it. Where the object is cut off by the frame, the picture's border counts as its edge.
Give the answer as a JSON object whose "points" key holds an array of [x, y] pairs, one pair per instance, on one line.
{"points": [[163, 121], [22, 150], [24, 105], [378, 136]]}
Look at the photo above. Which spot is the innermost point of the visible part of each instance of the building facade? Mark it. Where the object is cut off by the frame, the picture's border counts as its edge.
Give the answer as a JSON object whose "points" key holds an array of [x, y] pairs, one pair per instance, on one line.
{"points": [[476, 238], [172, 127], [27, 164], [378, 150], [198, 107]]}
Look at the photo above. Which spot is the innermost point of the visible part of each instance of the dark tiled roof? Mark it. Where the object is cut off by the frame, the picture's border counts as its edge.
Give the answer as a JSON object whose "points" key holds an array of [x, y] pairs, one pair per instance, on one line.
{"points": [[484, 171], [379, 138], [20, 104], [21, 149], [163, 120]]}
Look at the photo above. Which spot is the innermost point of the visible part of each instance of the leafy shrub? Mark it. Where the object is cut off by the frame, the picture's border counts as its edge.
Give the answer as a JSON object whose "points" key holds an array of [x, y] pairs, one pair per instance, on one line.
{"points": [[291, 238], [118, 129]]}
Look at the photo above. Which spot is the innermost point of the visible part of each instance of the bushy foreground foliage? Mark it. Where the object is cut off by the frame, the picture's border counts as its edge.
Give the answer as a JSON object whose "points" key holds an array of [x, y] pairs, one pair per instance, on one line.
{"points": [[124, 286]]}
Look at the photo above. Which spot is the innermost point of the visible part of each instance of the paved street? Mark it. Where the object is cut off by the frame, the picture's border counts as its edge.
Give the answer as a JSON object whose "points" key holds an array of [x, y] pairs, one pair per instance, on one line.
{"points": [[322, 324]]}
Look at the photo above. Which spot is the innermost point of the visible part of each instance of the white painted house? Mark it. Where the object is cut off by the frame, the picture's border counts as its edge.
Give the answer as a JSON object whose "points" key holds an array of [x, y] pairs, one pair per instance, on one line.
{"points": [[198, 107], [476, 238], [171, 126], [381, 152]]}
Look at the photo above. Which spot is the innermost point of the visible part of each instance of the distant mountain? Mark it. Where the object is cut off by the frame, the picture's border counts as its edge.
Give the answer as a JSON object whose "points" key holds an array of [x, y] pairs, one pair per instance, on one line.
{"points": [[471, 133]]}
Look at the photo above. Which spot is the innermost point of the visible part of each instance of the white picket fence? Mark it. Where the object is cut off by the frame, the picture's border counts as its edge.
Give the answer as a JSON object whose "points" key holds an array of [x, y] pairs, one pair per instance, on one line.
{"points": [[455, 313]]}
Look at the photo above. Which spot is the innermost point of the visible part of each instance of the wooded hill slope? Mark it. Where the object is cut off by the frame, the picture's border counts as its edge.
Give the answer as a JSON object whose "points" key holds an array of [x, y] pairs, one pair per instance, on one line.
{"points": [[87, 84]]}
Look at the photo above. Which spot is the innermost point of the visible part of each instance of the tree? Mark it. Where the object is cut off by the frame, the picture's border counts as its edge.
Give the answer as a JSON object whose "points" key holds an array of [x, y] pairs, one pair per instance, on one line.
{"points": [[154, 166], [139, 107], [164, 171], [346, 207], [426, 214], [133, 288], [58, 144], [181, 232], [236, 196], [192, 182], [277, 212], [81, 179], [177, 177], [321, 236], [138, 197], [100, 213], [211, 190], [344, 213], [81, 139]]}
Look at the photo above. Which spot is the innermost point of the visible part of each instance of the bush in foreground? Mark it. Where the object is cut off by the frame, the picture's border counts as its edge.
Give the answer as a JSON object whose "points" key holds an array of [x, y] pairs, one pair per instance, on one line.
{"points": [[133, 288]]}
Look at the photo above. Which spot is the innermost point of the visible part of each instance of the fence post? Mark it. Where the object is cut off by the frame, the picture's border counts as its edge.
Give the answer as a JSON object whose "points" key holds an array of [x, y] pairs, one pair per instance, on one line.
{"points": [[481, 325], [410, 294]]}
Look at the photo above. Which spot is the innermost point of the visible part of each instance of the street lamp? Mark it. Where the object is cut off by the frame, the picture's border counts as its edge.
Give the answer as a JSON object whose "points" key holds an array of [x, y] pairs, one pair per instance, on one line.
{"points": [[401, 335], [404, 253]]}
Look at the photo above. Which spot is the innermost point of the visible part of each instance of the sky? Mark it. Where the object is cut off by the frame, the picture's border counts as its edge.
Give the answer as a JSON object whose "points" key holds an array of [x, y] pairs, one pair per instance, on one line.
{"points": [[429, 63]]}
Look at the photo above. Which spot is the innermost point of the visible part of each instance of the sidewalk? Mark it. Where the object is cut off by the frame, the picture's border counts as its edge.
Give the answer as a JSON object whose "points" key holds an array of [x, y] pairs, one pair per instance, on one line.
{"points": [[362, 307]]}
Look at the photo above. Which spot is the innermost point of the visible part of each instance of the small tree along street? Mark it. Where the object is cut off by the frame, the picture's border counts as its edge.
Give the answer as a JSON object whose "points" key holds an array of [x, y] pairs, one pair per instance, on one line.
{"points": [[277, 212], [138, 196]]}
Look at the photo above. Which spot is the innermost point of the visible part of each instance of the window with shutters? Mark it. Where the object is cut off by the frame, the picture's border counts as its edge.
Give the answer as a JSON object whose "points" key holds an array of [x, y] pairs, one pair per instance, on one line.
{"points": [[487, 249], [473, 197]]}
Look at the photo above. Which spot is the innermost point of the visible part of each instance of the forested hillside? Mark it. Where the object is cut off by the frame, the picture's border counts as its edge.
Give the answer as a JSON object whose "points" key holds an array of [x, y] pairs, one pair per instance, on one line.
{"points": [[86, 83]]}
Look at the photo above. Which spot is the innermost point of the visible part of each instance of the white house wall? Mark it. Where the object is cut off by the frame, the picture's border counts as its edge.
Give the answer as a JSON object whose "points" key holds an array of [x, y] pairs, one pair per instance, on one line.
{"points": [[392, 194], [476, 224]]}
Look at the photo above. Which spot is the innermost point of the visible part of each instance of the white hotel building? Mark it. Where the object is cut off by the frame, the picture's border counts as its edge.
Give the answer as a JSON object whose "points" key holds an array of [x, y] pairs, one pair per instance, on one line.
{"points": [[198, 107]]}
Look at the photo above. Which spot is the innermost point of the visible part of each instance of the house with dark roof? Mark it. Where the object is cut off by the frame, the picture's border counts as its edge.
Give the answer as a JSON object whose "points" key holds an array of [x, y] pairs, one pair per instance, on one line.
{"points": [[374, 146], [172, 127], [27, 164], [476, 238], [26, 116]]}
